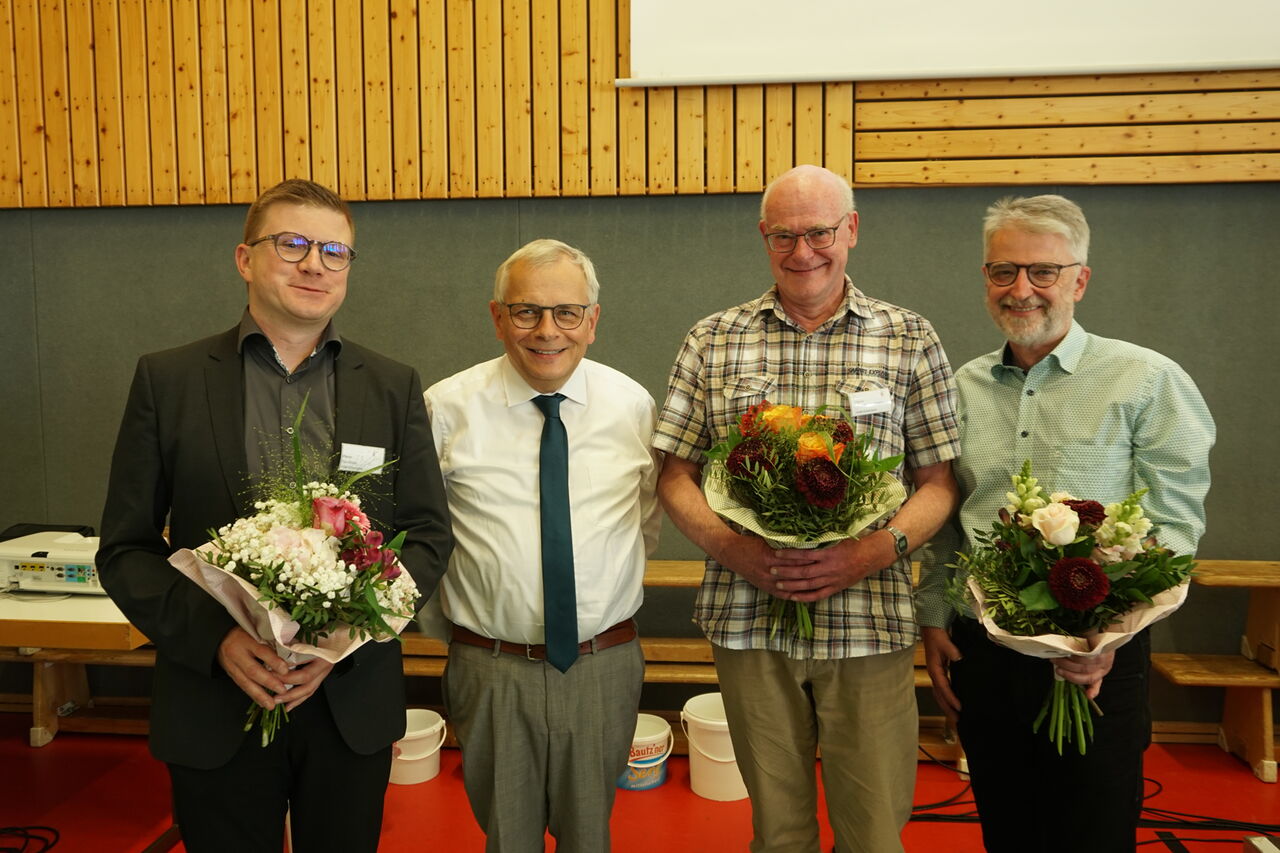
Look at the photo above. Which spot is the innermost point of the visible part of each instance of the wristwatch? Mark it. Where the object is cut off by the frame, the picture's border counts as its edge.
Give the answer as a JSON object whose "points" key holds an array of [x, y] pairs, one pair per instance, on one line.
{"points": [[900, 545]]}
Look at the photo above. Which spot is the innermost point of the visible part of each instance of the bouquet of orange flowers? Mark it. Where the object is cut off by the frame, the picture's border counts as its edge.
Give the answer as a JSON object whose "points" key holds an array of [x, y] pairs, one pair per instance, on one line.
{"points": [[801, 481]]}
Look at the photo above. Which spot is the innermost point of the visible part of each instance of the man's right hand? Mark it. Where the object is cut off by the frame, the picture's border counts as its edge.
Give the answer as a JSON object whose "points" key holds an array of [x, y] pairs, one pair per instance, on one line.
{"points": [[939, 653], [752, 558], [254, 667]]}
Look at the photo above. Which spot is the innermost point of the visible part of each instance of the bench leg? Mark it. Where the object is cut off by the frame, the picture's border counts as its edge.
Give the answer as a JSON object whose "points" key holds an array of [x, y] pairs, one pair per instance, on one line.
{"points": [[55, 687], [1247, 729]]}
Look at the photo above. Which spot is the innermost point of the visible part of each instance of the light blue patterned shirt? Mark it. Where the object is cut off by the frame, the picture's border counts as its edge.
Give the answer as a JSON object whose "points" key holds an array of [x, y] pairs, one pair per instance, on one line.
{"points": [[1098, 418]]}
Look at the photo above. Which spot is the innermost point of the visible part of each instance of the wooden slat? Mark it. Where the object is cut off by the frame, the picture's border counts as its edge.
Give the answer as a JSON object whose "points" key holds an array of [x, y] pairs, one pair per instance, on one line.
{"points": [[517, 106], [748, 118], [838, 145], [83, 102], [322, 93], [242, 139], [1207, 168], [135, 103], [662, 150], [1069, 141], [575, 136], [691, 140], [720, 153], [434, 103], [377, 100], [779, 115], [810, 121], [674, 573], [460, 25], [1194, 81], [406, 146], [295, 84], [10, 150], [57, 125], [1214, 671], [213, 102], [1195, 107], [489, 101], [602, 58], [164, 144], [188, 127], [268, 111], [1241, 573], [679, 673], [633, 123], [546, 97], [348, 51], [678, 649]]}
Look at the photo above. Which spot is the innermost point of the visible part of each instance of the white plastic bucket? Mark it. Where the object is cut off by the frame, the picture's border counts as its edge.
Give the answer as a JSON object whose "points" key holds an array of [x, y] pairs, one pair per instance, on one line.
{"points": [[713, 769], [650, 748], [419, 758]]}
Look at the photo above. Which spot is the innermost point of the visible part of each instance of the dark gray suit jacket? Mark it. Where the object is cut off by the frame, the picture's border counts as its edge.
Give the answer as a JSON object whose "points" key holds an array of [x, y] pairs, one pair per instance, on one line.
{"points": [[180, 455]]}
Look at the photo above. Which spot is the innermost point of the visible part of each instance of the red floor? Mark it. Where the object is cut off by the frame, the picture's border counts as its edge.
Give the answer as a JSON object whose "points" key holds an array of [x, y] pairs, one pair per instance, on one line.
{"points": [[105, 794]]}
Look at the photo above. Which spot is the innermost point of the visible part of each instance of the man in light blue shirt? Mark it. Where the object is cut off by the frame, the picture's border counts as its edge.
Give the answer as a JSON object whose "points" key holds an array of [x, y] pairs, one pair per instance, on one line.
{"points": [[1098, 418]]}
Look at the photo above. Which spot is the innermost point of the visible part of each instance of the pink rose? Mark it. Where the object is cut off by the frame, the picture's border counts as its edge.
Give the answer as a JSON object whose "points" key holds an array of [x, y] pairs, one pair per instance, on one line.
{"points": [[335, 516]]}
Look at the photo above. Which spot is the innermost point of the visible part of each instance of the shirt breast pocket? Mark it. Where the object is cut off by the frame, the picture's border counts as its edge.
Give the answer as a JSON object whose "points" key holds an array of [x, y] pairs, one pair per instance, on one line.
{"points": [[870, 407], [743, 391]]}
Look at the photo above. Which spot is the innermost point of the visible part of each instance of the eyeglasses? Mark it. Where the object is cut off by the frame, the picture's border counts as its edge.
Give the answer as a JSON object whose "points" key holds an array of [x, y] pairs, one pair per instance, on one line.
{"points": [[293, 248], [784, 242], [1004, 273], [526, 315]]}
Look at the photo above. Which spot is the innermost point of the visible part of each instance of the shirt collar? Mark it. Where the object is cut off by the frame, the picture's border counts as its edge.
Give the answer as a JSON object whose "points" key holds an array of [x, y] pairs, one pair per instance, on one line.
{"points": [[855, 302], [249, 328], [518, 391], [1066, 354]]}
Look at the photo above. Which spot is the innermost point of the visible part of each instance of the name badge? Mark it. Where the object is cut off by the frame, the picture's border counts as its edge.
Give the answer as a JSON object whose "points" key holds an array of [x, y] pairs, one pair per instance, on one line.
{"points": [[361, 457], [870, 402]]}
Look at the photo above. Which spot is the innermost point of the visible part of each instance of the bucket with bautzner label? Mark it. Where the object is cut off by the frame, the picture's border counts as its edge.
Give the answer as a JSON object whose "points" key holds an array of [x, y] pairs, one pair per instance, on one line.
{"points": [[650, 748]]}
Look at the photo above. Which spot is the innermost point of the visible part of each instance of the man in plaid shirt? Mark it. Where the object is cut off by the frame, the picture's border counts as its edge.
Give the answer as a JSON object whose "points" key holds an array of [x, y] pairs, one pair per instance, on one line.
{"points": [[812, 340]]}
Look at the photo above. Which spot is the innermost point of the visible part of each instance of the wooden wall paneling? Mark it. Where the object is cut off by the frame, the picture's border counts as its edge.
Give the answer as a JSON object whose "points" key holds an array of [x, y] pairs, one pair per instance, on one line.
{"points": [[348, 47], [748, 120], [1172, 169], [633, 120], [268, 113], [460, 33], [136, 103], [295, 85], [810, 122], [377, 100], [575, 129], [160, 112], [406, 146], [213, 102], [517, 94], [779, 127], [10, 149], [322, 93], [433, 104], [691, 140], [545, 27], [720, 151], [838, 149], [662, 141], [57, 123], [242, 137], [602, 51], [979, 87], [188, 125], [83, 103], [490, 168]]}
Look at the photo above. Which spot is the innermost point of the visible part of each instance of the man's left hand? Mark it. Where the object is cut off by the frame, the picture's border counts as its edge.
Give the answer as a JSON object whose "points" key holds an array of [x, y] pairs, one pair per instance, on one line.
{"points": [[832, 569], [305, 680], [1088, 672]]}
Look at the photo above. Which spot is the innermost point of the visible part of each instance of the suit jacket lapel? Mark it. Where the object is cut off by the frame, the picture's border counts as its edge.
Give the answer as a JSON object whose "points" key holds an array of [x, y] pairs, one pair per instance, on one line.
{"points": [[350, 404], [224, 385]]}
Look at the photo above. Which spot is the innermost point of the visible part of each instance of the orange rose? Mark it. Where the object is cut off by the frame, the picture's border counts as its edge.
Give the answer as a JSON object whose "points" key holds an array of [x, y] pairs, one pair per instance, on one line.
{"points": [[778, 418], [839, 448], [811, 445]]}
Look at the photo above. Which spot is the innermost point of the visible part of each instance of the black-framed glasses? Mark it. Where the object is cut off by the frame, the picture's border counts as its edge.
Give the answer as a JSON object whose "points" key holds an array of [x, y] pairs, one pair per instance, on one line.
{"points": [[292, 248], [784, 242], [527, 315], [1005, 273]]}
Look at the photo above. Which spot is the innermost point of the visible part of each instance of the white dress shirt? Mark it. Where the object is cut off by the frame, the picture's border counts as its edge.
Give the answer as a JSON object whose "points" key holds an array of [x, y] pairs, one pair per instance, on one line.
{"points": [[487, 433]]}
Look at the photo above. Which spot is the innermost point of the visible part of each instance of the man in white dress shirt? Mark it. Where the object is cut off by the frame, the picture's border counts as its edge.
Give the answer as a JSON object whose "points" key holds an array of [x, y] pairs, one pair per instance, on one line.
{"points": [[542, 748]]}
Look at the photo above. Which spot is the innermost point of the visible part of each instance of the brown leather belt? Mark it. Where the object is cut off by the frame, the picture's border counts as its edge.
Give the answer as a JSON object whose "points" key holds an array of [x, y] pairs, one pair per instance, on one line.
{"points": [[623, 632]]}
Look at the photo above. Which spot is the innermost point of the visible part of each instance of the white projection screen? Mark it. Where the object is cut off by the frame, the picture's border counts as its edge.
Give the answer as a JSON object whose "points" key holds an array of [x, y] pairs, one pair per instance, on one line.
{"points": [[712, 42]]}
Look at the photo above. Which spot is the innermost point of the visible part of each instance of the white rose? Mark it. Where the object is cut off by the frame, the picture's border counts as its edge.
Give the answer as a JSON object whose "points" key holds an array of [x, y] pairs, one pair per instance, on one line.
{"points": [[1057, 523]]}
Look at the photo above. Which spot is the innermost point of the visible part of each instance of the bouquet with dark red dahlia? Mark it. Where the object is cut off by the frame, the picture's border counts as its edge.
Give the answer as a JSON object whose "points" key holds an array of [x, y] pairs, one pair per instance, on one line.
{"points": [[800, 481], [1057, 576]]}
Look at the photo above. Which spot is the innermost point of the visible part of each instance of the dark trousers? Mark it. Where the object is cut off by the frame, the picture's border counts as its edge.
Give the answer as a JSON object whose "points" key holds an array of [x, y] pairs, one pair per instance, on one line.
{"points": [[1030, 799], [335, 796]]}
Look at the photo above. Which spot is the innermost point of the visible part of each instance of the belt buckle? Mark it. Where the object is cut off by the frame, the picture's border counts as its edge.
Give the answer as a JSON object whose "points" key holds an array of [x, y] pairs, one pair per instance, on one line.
{"points": [[528, 652]]}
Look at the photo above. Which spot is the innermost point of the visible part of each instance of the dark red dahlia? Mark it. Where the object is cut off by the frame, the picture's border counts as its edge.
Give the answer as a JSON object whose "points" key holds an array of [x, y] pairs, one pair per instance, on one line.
{"points": [[748, 425], [1078, 583], [843, 433], [1090, 512], [821, 483], [751, 455]]}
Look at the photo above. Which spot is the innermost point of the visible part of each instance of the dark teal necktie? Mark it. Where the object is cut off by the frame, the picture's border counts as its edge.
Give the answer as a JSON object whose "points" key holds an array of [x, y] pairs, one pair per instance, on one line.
{"points": [[559, 599]]}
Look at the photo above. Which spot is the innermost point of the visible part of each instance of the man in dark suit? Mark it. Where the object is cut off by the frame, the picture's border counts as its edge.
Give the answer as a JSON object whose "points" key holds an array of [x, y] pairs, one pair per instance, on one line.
{"points": [[203, 426]]}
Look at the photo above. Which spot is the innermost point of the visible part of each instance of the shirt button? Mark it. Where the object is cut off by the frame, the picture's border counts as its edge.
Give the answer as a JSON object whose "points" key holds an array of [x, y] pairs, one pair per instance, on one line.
{"points": [[1025, 433], [1031, 392], [289, 431]]}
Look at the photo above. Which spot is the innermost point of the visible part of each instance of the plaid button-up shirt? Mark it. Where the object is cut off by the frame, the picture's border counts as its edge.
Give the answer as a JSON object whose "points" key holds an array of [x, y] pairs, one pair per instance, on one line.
{"points": [[754, 352]]}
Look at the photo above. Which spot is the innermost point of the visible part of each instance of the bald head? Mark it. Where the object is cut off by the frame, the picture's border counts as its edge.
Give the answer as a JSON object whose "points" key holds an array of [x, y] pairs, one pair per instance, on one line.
{"points": [[809, 182]]}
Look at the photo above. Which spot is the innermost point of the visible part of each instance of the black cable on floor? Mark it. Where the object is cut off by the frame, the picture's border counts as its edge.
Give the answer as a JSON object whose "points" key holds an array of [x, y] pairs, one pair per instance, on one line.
{"points": [[45, 837]]}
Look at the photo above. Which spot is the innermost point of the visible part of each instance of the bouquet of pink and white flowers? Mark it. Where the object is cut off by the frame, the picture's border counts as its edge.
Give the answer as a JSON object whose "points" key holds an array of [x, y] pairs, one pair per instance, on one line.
{"points": [[305, 574], [1057, 576]]}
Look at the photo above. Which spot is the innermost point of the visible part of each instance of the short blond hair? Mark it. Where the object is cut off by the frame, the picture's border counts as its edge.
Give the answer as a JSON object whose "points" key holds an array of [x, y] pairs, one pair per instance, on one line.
{"points": [[295, 191]]}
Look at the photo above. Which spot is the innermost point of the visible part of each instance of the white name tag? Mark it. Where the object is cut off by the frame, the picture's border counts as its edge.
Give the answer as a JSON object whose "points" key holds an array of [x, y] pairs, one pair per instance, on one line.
{"points": [[870, 402], [361, 457]]}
